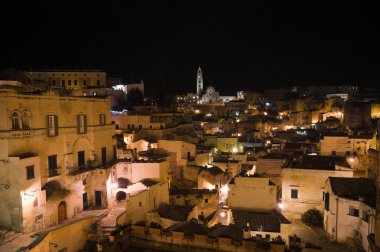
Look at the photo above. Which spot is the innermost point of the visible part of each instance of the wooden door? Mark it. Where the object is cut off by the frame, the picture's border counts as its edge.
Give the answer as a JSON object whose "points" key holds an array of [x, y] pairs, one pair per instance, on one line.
{"points": [[62, 212]]}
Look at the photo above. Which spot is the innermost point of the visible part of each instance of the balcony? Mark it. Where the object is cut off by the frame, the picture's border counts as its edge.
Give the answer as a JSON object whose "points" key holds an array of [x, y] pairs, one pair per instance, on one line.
{"points": [[54, 172], [89, 167]]}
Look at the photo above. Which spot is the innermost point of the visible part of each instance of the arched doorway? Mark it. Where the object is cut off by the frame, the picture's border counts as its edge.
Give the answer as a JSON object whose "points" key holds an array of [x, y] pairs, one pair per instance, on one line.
{"points": [[62, 212], [121, 196]]}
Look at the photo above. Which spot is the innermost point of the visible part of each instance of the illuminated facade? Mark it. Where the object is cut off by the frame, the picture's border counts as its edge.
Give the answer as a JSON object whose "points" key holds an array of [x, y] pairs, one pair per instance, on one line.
{"points": [[71, 79], [54, 156]]}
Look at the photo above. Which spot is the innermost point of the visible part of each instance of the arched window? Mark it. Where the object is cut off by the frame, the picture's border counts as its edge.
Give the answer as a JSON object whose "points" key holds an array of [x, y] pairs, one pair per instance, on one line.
{"points": [[15, 121], [26, 119]]}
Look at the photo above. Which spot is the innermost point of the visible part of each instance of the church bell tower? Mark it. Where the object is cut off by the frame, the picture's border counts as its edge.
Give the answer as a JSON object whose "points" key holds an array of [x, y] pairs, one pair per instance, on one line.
{"points": [[199, 82]]}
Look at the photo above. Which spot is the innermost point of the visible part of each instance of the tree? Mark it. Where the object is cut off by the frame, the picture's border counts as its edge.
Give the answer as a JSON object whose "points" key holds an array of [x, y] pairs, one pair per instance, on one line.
{"points": [[134, 97], [313, 217]]}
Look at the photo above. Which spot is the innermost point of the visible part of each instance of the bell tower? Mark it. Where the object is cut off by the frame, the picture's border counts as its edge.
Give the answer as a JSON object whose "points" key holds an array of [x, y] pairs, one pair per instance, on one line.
{"points": [[199, 82]]}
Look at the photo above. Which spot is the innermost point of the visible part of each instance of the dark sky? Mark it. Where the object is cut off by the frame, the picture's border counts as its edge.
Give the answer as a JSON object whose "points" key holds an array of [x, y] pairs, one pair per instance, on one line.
{"points": [[238, 46]]}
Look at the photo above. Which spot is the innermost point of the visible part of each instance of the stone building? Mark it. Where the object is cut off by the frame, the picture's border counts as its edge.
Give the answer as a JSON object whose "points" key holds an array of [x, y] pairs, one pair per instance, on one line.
{"points": [[55, 156]]}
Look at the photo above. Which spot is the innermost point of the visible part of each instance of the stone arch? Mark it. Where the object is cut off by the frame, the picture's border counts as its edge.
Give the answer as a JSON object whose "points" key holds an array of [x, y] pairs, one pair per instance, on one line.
{"points": [[15, 119], [54, 186], [82, 144], [26, 117], [62, 211]]}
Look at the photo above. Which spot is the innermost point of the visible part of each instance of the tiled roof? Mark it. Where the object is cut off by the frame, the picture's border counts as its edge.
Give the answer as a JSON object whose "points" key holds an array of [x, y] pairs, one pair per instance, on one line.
{"points": [[232, 231], [148, 182], [265, 221], [189, 228], [174, 212], [319, 162], [174, 191], [214, 170], [355, 188]]}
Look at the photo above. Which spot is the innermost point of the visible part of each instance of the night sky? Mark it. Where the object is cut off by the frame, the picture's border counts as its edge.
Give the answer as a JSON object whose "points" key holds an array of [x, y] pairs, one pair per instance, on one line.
{"points": [[238, 46]]}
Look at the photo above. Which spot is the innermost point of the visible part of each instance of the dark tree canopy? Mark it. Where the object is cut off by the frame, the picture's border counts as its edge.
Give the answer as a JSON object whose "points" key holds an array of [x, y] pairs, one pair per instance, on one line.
{"points": [[135, 97]]}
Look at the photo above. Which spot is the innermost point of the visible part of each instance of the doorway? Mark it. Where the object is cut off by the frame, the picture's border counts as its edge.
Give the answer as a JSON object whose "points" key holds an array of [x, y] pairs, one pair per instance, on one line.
{"points": [[62, 212], [98, 199], [85, 202], [81, 162]]}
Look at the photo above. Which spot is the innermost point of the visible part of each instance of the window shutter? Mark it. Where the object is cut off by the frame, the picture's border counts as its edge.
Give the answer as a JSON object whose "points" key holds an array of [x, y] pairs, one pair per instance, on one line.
{"points": [[56, 125], [78, 124], [47, 125], [327, 201], [85, 123]]}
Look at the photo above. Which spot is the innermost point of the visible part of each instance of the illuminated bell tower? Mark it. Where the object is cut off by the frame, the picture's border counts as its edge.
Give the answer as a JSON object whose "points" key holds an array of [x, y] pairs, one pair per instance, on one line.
{"points": [[199, 82]]}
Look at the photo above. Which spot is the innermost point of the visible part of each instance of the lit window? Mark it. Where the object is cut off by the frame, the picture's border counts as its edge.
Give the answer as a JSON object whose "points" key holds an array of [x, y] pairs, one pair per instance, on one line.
{"points": [[82, 124]]}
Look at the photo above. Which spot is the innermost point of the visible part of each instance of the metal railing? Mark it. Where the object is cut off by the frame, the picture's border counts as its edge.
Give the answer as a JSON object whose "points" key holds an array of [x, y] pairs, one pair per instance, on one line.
{"points": [[54, 172]]}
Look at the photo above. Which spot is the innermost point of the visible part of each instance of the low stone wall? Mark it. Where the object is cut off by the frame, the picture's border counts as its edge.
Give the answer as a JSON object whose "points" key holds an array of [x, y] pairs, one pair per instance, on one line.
{"points": [[178, 241]]}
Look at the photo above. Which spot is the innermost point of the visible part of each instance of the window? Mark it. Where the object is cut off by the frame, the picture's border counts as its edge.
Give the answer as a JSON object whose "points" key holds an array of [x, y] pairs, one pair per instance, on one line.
{"points": [[326, 199], [102, 119], [82, 124], [63, 83], [69, 82], [30, 172], [53, 82], [206, 201], [52, 166], [348, 153], [15, 121], [25, 120], [98, 82], [140, 126], [52, 125], [75, 82], [365, 215], [353, 211], [333, 153], [294, 194], [85, 82], [140, 204]]}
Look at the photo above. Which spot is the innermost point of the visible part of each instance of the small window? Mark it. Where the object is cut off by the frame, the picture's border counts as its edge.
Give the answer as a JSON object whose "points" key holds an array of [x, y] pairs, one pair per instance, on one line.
{"points": [[98, 82], [102, 119], [52, 125], [353, 211], [206, 201], [63, 83], [140, 204], [82, 124], [333, 153], [85, 82], [25, 120], [75, 82], [294, 194], [140, 126], [69, 82], [30, 172], [53, 82]]}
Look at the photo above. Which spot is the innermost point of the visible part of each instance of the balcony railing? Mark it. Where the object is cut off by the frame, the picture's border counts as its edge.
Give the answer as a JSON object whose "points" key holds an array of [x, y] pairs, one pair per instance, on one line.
{"points": [[54, 172], [89, 167]]}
